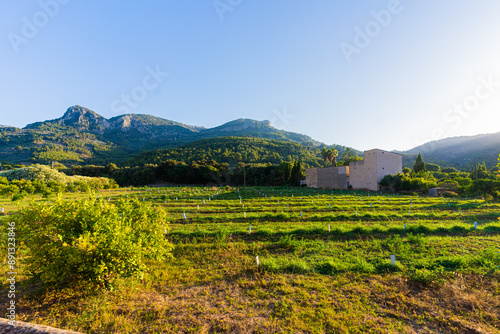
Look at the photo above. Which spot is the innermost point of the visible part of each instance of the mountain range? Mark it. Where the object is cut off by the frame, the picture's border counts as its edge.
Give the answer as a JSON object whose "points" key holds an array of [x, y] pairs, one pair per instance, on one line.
{"points": [[83, 136], [461, 151]]}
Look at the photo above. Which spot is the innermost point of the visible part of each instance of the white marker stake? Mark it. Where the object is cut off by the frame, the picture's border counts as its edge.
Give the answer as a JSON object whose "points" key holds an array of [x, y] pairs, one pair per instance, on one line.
{"points": [[329, 206], [409, 214], [250, 229], [393, 260], [3, 210], [329, 228], [257, 260], [356, 212], [301, 214], [475, 225], [460, 212], [371, 204], [166, 232], [244, 214], [184, 215], [405, 227], [198, 207]]}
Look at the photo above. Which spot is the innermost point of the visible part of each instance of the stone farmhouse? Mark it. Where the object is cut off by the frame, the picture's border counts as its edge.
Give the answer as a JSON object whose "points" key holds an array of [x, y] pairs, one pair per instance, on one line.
{"points": [[365, 174]]}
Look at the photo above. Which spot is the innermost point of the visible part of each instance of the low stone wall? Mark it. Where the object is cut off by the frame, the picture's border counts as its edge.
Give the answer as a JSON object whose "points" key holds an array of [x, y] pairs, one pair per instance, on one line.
{"points": [[27, 328]]}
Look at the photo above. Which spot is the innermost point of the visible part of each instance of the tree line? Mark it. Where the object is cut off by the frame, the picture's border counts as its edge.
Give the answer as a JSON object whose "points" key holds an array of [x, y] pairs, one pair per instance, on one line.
{"points": [[197, 172], [423, 176]]}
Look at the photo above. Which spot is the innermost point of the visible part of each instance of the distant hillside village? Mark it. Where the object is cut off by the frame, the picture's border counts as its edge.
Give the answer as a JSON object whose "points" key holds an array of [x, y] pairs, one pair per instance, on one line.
{"points": [[364, 174]]}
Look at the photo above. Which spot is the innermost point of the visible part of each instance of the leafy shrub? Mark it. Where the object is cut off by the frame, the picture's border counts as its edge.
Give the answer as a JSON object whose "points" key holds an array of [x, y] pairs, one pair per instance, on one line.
{"points": [[449, 170], [43, 176], [92, 240], [449, 185], [19, 196]]}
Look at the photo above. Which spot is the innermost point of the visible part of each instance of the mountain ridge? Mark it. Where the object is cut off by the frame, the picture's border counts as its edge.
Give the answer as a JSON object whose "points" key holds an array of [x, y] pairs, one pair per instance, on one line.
{"points": [[82, 135], [461, 151]]}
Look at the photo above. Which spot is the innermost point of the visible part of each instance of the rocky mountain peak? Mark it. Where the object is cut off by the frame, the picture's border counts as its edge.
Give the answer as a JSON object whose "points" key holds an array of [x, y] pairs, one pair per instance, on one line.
{"points": [[81, 117]]}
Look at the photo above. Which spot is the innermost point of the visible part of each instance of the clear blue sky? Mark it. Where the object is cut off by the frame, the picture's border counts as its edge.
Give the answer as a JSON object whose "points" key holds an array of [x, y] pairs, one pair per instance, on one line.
{"points": [[419, 69]]}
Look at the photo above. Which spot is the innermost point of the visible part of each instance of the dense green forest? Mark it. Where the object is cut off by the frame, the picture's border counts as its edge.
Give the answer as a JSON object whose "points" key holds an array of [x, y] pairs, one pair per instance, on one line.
{"points": [[234, 150], [224, 160], [53, 142], [198, 172]]}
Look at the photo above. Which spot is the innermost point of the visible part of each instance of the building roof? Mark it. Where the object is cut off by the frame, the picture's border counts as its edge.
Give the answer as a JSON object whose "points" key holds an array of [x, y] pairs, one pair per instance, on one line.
{"points": [[377, 149]]}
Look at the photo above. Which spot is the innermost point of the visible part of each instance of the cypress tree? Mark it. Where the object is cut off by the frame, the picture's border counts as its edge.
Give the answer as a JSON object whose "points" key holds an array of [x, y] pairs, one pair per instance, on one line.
{"points": [[419, 164]]}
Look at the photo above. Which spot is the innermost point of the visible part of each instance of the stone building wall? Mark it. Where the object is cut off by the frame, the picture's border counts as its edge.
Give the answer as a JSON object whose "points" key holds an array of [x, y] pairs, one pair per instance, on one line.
{"points": [[364, 174]]}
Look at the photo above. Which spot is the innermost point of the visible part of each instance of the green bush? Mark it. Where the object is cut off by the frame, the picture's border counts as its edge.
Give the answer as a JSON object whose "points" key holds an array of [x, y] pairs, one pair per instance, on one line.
{"points": [[38, 178], [92, 240], [19, 196]]}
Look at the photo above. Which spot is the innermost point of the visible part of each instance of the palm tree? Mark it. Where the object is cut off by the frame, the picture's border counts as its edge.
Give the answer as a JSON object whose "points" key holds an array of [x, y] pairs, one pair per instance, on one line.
{"points": [[332, 156], [324, 153]]}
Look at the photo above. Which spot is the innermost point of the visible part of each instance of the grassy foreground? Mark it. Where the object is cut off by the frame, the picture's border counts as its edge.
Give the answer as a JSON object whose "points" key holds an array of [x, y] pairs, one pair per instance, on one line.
{"points": [[324, 267]]}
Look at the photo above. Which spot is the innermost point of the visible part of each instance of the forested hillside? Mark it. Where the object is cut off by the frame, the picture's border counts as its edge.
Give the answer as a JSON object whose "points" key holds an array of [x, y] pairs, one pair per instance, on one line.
{"points": [[460, 152], [233, 150], [81, 136]]}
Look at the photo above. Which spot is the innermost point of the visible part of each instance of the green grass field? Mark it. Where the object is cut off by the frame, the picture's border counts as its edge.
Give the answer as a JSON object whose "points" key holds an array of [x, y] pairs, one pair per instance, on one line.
{"points": [[324, 266]]}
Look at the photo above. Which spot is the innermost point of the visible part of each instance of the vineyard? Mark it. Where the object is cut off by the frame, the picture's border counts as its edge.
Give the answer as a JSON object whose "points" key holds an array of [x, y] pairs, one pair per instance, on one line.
{"points": [[291, 260]]}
